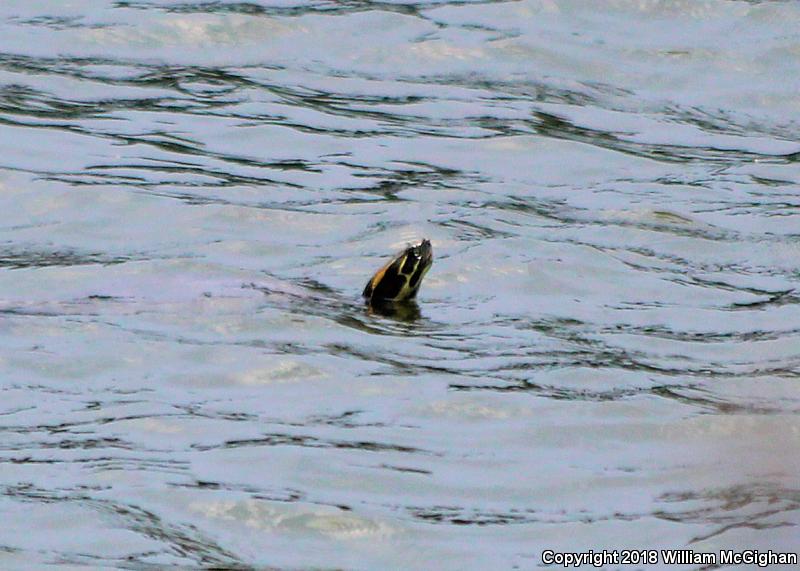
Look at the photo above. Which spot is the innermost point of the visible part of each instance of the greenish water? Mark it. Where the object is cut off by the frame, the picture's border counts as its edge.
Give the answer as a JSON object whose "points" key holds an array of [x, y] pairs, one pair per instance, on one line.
{"points": [[605, 354]]}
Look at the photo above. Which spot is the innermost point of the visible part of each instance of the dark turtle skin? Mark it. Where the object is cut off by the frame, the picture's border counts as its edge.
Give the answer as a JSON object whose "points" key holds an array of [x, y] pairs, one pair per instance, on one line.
{"points": [[399, 280]]}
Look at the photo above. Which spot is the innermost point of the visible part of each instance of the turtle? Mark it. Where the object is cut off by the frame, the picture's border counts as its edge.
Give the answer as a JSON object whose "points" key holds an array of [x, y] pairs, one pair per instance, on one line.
{"points": [[400, 278]]}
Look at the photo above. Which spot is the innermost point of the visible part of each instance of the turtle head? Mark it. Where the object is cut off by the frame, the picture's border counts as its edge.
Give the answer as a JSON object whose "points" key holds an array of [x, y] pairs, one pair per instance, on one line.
{"points": [[400, 279]]}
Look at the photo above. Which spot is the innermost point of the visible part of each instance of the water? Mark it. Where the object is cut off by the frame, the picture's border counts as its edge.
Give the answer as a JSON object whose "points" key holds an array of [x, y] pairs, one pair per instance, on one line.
{"points": [[605, 355]]}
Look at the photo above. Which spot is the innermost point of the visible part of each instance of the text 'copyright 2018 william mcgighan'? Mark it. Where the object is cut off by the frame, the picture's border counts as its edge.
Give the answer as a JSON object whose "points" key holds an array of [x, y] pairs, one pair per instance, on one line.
{"points": [[668, 557]]}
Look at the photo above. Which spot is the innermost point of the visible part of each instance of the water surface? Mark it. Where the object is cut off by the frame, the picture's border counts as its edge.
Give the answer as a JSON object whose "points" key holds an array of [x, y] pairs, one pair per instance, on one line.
{"points": [[606, 350]]}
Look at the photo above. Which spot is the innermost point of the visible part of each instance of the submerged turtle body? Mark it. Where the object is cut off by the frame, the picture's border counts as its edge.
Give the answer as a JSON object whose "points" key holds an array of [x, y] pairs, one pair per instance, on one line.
{"points": [[399, 280]]}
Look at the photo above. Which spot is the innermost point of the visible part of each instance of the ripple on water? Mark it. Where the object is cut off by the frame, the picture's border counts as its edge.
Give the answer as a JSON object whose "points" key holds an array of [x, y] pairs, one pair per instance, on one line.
{"points": [[193, 195], [338, 525]]}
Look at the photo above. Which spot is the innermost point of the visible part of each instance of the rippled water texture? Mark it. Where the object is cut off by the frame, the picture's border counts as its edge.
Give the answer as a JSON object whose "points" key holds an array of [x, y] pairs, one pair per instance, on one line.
{"points": [[604, 355]]}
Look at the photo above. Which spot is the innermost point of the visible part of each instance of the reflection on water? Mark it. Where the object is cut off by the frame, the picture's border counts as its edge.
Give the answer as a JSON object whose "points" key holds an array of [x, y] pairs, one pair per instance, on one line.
{"points": [[604, 354], [407, 311]]}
